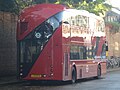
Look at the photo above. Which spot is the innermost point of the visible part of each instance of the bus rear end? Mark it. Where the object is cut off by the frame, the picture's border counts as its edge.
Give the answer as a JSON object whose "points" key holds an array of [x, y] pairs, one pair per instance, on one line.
{"points": [[39, 43]]}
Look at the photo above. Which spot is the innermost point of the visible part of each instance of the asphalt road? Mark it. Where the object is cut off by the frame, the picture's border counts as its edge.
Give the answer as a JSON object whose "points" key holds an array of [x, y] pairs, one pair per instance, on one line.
{"points": [[110, 82]]}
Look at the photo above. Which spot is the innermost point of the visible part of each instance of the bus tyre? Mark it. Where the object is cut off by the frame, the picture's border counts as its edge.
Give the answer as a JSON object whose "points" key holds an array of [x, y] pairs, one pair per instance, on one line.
{"points": [[99, 71], [73, 75]]}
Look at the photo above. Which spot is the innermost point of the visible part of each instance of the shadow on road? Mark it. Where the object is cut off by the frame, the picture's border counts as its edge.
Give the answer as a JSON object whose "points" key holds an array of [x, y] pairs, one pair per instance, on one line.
{"points": [[56, 83]]}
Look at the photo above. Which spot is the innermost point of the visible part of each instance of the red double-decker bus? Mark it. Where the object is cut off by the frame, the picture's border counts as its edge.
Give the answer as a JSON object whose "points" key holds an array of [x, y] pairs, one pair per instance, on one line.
{"points": [[57, 43]]}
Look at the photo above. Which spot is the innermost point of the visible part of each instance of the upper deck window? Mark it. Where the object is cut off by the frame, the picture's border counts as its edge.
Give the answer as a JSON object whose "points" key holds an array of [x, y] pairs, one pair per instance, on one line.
{"points": [[55, 21]]}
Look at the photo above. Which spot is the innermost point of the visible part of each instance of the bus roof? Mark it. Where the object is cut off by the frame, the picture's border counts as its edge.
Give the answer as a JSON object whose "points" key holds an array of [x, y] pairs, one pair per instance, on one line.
{"points": [[39, 13], [84, 13], [40, 7]]}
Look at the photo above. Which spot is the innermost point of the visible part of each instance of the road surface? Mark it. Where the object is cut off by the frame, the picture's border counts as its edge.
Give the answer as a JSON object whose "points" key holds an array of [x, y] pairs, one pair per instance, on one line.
{"points": [[110, 82]]}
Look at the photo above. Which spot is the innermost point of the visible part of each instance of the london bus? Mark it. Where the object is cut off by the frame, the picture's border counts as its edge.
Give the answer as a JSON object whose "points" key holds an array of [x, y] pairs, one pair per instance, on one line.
{"points": [[58, 43]]}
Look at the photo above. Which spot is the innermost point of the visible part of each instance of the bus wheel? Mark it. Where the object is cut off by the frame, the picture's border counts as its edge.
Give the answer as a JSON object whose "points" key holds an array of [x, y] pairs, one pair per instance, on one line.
{"points": [[73, 75], [98, 71]]}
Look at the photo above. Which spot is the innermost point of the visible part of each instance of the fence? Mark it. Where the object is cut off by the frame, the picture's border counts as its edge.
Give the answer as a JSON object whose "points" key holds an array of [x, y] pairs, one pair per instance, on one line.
{"points": [[113, 43], [113, 62]]}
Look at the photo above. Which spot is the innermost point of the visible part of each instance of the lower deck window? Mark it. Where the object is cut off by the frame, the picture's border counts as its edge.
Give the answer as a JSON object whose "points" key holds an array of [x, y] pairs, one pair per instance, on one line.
{"points": [[77, 52]]}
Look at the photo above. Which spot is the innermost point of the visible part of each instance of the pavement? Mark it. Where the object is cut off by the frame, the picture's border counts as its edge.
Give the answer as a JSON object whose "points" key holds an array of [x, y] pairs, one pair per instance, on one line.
{"points": [[113, 69], [8, 80], [5, 80]]}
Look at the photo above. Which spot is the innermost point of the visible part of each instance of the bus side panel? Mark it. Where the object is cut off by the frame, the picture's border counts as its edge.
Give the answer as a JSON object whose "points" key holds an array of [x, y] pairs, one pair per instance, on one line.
{"points": [[88, 70], [57, 54], [66, 51], [85, 68], [66, 63], [103, 68]]}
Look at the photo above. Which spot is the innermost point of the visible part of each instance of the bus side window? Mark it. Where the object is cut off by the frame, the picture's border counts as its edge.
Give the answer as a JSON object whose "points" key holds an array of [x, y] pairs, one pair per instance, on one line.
{"points": [[78, 52], [74, 52], [82, 52]]}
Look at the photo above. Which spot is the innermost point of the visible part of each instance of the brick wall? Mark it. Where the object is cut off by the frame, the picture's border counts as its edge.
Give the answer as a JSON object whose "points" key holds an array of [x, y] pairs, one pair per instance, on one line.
{"points": [[8, 44], [113, 43]]}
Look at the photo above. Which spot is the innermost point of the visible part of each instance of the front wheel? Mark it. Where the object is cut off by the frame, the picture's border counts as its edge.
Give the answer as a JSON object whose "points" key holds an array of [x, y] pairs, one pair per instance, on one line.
{"points": [[73, 75]]}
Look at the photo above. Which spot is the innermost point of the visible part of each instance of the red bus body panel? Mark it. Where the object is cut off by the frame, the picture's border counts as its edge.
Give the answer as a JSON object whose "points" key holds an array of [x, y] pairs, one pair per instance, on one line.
{"points": [[49, 62], [54, 61], [35, 15]]}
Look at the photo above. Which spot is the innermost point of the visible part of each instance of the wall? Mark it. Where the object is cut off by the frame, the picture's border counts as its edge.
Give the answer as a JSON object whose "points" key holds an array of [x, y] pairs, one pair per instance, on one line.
{"points": [[113, 42], [8, 43]]}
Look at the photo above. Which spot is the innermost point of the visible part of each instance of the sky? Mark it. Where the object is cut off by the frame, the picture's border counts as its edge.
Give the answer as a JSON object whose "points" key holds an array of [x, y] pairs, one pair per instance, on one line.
{"points": [[115, 3]]}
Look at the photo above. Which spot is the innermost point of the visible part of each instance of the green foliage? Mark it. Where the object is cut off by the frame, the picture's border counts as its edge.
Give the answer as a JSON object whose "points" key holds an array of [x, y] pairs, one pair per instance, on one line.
{"points": [[14, 5], [114, 26], [44, 1], [21, 4], [97, 6], [7, 5], [52, 1], [39, 1]]}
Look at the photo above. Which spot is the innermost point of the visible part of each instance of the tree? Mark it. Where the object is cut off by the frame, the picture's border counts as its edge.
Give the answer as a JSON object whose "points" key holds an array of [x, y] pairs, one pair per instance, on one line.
{"points": [[21, 4], [94, 6], [14, 6], [7, 5], [44, 1], [99, 7], [40, 1]]}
